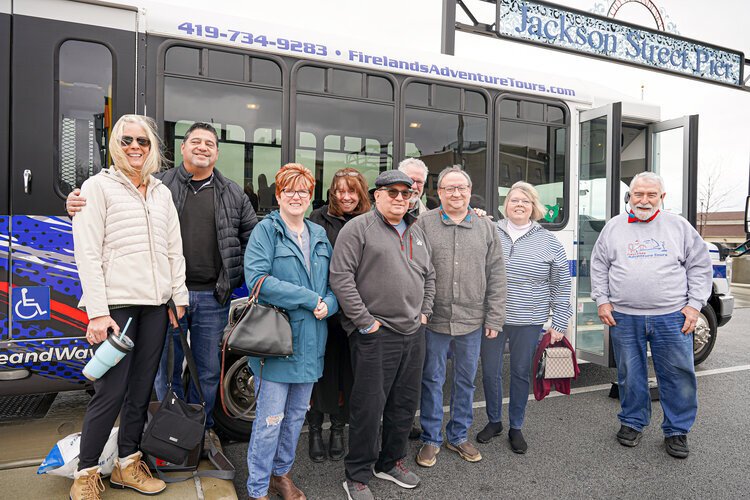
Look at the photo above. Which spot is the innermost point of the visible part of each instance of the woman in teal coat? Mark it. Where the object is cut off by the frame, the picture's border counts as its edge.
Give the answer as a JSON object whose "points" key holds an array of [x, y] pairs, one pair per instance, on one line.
{"points": [[295, 254]]}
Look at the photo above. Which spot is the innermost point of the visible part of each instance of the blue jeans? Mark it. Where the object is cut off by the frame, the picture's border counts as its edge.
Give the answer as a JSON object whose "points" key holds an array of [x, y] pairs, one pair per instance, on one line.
{"points": [[672, 353], [205, 319], [279, 415], [523, 341], [465, 360]]}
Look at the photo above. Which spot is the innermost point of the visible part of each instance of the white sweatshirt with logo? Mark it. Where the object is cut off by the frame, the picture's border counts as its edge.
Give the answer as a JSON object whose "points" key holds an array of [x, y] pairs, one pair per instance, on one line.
{"points": [[650, 268]]}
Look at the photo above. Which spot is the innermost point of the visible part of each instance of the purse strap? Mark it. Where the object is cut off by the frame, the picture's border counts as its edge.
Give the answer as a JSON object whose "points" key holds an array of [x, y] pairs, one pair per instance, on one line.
{"points": [[192, 368], [256, 289]]}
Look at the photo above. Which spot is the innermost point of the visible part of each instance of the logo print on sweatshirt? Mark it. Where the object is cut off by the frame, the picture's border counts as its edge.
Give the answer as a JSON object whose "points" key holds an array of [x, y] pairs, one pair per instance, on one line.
{"points": [[646, 249]]}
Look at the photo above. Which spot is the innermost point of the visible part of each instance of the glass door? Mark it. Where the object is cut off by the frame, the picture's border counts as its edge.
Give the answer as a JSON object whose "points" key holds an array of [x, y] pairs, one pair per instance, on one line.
{"points": [[598, 200], [673, 154]]}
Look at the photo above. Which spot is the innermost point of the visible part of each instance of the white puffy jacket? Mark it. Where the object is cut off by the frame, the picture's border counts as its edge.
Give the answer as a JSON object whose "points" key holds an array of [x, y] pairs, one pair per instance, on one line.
{"points": [[128, 249]]}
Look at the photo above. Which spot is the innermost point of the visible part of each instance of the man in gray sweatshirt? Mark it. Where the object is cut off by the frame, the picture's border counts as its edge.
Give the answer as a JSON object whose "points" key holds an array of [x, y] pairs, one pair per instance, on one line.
{"points": [[651, 274], [382, 274]]}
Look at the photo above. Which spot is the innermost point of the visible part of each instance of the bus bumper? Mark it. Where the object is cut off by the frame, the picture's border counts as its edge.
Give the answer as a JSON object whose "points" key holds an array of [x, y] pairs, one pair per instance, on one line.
{"points": [[725, 309]]}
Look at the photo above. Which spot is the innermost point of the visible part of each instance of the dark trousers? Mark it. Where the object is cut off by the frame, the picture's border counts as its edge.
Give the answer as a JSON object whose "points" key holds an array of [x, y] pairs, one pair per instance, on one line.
{"points": [[125, 389], [387, 374]]}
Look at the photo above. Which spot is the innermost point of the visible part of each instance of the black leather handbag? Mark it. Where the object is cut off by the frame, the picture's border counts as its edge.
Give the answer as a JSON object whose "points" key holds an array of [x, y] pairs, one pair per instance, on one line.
{"points": [[261, 331], [175, 429]]}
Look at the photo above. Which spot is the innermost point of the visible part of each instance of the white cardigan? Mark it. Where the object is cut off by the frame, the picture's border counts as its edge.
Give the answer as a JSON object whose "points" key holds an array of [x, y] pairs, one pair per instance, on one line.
{"points": [[128, 249]]}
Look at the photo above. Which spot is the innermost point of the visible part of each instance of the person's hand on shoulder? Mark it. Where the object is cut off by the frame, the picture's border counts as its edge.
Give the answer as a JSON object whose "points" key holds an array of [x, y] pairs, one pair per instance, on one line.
{"points": [[75, 202]]}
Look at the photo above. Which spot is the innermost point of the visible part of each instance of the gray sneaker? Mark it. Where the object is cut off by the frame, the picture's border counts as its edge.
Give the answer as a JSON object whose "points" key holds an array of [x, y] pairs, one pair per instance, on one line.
{"points": [[400, 475], [357, 491]]}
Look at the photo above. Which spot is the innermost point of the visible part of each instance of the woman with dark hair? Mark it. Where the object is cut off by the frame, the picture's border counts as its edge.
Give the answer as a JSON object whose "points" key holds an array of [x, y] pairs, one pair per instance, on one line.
{"points": [[293, 255], [347, 198]]}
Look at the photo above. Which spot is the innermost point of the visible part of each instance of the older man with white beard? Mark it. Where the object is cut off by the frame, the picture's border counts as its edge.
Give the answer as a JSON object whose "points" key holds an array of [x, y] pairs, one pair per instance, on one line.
{"points": [[651, 274]]}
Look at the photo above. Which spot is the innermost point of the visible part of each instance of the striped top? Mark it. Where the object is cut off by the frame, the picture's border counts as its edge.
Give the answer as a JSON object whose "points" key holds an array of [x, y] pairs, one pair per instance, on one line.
{"points": [[538, 278]]}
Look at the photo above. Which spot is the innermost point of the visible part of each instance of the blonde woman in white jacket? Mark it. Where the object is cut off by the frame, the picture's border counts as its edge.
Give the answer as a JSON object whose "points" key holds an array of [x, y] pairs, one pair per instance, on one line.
{"points": [[128, 251]]}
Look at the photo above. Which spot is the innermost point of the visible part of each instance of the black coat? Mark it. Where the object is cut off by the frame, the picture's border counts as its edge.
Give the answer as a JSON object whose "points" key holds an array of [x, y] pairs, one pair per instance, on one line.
{"points": [[235, 218], [335, 385]]}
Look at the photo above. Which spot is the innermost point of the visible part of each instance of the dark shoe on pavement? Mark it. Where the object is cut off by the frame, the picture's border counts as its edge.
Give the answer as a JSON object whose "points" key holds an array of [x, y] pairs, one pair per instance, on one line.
{"points": [[627, 436], [466, 450], [336, 447], [490, 430], [317, 448], [357, 491], [284, 487], [677, 446], [517, 442], [416, 431], [427, 455], [400, 475]]}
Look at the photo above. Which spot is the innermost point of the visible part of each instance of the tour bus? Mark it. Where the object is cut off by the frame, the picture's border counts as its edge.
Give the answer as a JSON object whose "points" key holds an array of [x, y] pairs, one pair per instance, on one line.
{"points": [[69, 69]]}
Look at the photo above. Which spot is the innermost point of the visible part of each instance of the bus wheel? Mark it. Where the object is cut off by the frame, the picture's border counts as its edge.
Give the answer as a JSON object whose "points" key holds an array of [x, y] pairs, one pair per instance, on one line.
{"points": [[239, 398], [704, 336]]}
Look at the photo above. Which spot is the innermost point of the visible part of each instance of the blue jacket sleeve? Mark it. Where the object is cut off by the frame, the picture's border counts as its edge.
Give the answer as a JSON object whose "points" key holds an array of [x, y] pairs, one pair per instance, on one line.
{"points": [[259, 257]]}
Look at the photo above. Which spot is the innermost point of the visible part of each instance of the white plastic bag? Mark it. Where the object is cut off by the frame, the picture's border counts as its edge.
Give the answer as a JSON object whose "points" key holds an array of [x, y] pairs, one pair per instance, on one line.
{"points": [[62, 460]]}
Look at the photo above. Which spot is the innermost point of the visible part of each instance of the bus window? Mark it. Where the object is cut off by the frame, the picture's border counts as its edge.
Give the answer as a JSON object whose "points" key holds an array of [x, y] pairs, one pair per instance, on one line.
{"points": [[447, 136], [533, 147], [84, 89], [247, 118], [335, 133]]}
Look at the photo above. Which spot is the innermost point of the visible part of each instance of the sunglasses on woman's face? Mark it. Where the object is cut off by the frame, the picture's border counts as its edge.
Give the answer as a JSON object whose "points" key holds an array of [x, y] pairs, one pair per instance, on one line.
{"points": [[127, 140], [350, 174]]}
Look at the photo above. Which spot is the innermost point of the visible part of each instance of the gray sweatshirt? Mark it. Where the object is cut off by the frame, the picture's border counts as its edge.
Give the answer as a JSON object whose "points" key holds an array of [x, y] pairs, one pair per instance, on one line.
{"points": [[377, 274], [469, 272], [650, 268]]}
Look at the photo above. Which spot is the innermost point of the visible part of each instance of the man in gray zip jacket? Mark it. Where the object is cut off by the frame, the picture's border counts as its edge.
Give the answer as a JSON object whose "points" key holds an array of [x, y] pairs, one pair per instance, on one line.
{"points": [[469, 301], [383, 277]]}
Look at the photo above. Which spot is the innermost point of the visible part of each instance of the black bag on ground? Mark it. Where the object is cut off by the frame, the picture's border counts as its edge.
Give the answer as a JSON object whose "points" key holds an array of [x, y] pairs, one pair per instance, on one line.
{"points": [[174, 435], [176, 428]]}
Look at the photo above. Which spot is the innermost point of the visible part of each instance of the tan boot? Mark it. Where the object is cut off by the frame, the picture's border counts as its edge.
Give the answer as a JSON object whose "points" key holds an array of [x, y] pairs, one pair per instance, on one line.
{"points": [[132, 472], [87, 484], [285, 488]]}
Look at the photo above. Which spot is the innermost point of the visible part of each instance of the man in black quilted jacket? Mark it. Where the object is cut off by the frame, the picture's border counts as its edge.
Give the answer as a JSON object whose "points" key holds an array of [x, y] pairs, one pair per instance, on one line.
{"points": [[216, 218]]}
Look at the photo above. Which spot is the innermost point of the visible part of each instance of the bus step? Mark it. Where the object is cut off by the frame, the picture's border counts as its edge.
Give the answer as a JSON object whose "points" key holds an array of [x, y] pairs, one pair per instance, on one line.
{"points": [[25, 406]]}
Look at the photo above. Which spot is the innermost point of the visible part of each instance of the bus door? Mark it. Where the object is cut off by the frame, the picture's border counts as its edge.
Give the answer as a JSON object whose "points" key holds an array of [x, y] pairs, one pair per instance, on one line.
{"points": [[72, 74], [613, 150], [600, 133], [4, 138]]}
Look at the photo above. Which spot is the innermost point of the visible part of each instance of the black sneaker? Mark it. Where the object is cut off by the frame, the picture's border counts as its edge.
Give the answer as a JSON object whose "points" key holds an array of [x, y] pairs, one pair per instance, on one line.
{"points": [[627, 436], [677, 446], [517, 442], [490, 430]]}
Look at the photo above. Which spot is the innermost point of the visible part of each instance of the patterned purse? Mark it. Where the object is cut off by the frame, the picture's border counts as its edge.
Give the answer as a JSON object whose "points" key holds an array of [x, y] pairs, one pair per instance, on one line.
{"points": [[558, 363]]}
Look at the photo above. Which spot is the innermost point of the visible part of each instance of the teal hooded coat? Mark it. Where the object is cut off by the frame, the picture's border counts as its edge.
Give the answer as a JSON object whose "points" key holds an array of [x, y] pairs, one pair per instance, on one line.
{"points": [[272, 251]]}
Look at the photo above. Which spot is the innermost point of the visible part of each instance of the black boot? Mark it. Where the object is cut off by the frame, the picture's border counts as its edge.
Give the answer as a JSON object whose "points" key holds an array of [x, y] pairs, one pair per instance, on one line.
{"points": [[317, 449], [336, 448]]}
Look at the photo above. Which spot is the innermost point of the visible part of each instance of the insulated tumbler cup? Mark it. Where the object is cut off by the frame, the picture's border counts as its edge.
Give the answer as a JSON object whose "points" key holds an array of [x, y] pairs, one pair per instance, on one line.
{"points": [[112, 350]]}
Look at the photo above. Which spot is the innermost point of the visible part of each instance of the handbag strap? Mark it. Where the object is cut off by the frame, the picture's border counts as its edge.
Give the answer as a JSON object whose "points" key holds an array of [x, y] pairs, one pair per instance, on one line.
{"points": [[192, 368], [256, 289]]}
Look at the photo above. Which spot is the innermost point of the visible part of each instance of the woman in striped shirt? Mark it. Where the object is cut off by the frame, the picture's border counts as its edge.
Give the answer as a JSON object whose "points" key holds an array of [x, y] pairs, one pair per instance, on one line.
{"points": [[538, 280]]}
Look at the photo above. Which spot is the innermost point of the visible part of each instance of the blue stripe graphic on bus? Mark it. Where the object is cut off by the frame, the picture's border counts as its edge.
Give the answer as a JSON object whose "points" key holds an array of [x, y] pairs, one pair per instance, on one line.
{"points": [[720, 271]]}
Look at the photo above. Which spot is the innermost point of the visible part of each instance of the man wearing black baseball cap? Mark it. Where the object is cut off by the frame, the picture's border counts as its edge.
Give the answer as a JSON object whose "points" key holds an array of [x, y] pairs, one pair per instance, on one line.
{"points": [[382, 274]]}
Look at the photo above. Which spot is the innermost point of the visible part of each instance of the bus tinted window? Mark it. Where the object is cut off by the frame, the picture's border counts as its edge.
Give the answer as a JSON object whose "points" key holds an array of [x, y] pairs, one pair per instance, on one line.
{"points": [[335, 133], [533, 150], [444, 139], [183, 60], [379, 88], [347, 83], [475, 102], [312, 79], [447, 98], [84, 111], [249, 124], [265, 72], [417, 94], [226, 66]]}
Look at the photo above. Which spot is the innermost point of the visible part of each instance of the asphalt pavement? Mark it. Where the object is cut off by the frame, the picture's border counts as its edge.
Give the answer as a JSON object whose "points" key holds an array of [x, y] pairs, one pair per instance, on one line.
{"points": [[573, 452]]}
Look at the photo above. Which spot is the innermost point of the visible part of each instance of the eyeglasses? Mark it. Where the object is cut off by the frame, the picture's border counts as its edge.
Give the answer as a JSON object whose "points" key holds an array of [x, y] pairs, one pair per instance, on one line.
{"points": [[417, 181], [453, 189], [393, 193], [290, 193], [127, 140], [516, 201], [344, 174]]}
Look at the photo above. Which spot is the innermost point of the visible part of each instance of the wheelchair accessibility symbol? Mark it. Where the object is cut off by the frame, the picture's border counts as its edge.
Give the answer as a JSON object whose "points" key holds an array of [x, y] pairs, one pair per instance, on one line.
{"points": [[31, 303]]}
